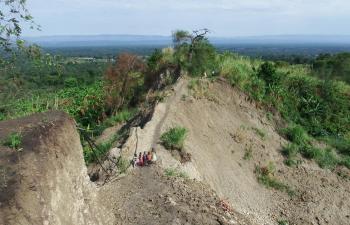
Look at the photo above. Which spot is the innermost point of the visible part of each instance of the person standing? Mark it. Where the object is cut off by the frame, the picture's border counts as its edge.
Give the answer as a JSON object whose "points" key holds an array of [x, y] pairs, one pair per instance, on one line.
{"points": [[154, 155], [145, 162], [134, 160], [140, 159]]}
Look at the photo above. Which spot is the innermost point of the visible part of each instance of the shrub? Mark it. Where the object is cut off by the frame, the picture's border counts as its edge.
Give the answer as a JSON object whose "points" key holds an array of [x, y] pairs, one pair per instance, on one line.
{"points": [[119, 117], [174, 138], [268, 73], [296, 134], [71, 82], [122, 164], [256, 88]]}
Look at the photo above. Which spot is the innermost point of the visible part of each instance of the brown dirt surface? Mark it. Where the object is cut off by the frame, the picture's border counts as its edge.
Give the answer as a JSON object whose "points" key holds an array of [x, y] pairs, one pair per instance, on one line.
{"points": [[147, 197], [45, 182]]}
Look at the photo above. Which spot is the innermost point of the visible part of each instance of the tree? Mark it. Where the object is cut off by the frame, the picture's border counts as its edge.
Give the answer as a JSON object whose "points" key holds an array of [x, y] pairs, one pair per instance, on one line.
{"points": [[12, 14], [122, 79], [194, 52], [181, 37]]}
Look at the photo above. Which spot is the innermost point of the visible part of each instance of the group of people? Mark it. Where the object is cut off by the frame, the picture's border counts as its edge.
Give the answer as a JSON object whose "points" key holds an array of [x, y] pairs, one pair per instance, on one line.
{"points": [[144, 159]]}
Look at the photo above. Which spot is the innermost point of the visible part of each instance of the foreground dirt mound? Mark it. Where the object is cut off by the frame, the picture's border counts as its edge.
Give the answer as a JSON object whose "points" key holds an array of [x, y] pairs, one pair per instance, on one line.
{"points": [[45, 180], [147, 197]]}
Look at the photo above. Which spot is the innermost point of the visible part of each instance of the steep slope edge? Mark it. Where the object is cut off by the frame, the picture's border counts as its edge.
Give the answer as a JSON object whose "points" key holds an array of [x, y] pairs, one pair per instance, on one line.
{"points": [[45, 181]]}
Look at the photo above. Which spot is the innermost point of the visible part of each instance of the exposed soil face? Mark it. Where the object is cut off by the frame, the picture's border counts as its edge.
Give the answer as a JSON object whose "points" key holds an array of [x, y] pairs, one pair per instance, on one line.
{"points": [[46, 181], [224, 126], [146, 196]]}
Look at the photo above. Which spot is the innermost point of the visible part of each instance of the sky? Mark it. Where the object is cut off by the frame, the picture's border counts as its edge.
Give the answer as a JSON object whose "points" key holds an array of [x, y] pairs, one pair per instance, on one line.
{"points": [[225, 18]]}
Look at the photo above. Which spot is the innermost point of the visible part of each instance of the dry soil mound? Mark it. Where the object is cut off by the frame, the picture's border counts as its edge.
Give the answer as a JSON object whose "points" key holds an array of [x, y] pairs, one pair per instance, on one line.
{"points": [[46, 181]]}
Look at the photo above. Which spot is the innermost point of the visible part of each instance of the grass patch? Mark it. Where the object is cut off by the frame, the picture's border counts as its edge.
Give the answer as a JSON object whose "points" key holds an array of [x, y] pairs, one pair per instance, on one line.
{"points": [[122, 164], [174, 138], [341, 144], [261, 133], [282, 222], [265, 177], [13, 141], [290, 152], [345, 162], [296, 134], [301, 143], [173, 172], [248, 155], [199, 88], [120, 117]]}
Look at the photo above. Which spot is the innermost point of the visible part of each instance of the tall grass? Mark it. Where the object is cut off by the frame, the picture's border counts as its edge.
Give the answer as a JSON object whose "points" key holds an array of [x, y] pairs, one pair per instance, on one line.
{"points": [[174, 138], [318, 108]]}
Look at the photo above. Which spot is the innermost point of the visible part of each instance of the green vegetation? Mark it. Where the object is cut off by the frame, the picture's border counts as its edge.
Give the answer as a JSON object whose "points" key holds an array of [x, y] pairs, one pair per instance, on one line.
{"points": [[173, 172], [265, 177], [302, 143], [261, 133], [282, 222], [174, 138], [248, 154], [123, 164], [13, 141], [337, 67], [93, 155], [101, 93]]}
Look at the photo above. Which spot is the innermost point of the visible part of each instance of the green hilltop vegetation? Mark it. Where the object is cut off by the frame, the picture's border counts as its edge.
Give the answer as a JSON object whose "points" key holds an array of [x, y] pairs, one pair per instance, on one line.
{"points": [[314, 99]]}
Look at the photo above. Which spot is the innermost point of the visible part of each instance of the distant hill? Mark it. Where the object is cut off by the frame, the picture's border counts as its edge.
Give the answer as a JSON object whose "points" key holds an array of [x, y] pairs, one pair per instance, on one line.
{"points": [[157, 40]]}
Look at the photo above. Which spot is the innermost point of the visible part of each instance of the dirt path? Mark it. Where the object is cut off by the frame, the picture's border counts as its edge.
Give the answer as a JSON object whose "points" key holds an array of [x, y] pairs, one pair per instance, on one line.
{"points": [[179, 90]]}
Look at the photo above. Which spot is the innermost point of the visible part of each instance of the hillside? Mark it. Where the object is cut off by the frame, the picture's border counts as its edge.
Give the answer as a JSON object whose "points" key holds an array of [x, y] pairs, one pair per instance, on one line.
{"points": [[229, 137], [223, 128], [45, 182]]}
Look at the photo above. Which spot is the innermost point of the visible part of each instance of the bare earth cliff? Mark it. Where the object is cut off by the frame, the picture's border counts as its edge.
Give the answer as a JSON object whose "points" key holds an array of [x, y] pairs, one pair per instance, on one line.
{"points": [[46, 181]]}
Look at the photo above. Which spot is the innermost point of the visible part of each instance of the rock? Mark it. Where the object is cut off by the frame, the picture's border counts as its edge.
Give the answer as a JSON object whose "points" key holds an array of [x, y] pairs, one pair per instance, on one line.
{"points": [[114, 153], [171, 201]]}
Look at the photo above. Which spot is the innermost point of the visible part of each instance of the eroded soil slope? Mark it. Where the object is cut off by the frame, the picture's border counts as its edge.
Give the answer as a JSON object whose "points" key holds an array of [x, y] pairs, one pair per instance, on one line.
{"points": [[224, 127]]}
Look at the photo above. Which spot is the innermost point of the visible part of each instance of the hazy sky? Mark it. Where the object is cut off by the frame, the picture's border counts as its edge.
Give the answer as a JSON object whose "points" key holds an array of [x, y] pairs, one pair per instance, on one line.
{"points": [[223, 17]]}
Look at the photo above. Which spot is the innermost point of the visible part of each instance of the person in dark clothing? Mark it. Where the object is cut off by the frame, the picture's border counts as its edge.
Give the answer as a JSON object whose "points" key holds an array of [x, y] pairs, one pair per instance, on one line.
{"points": [[145, 161]]}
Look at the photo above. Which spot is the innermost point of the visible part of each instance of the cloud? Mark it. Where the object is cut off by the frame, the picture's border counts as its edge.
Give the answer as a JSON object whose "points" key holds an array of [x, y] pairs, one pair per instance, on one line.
{"points": [[226, 17]]}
